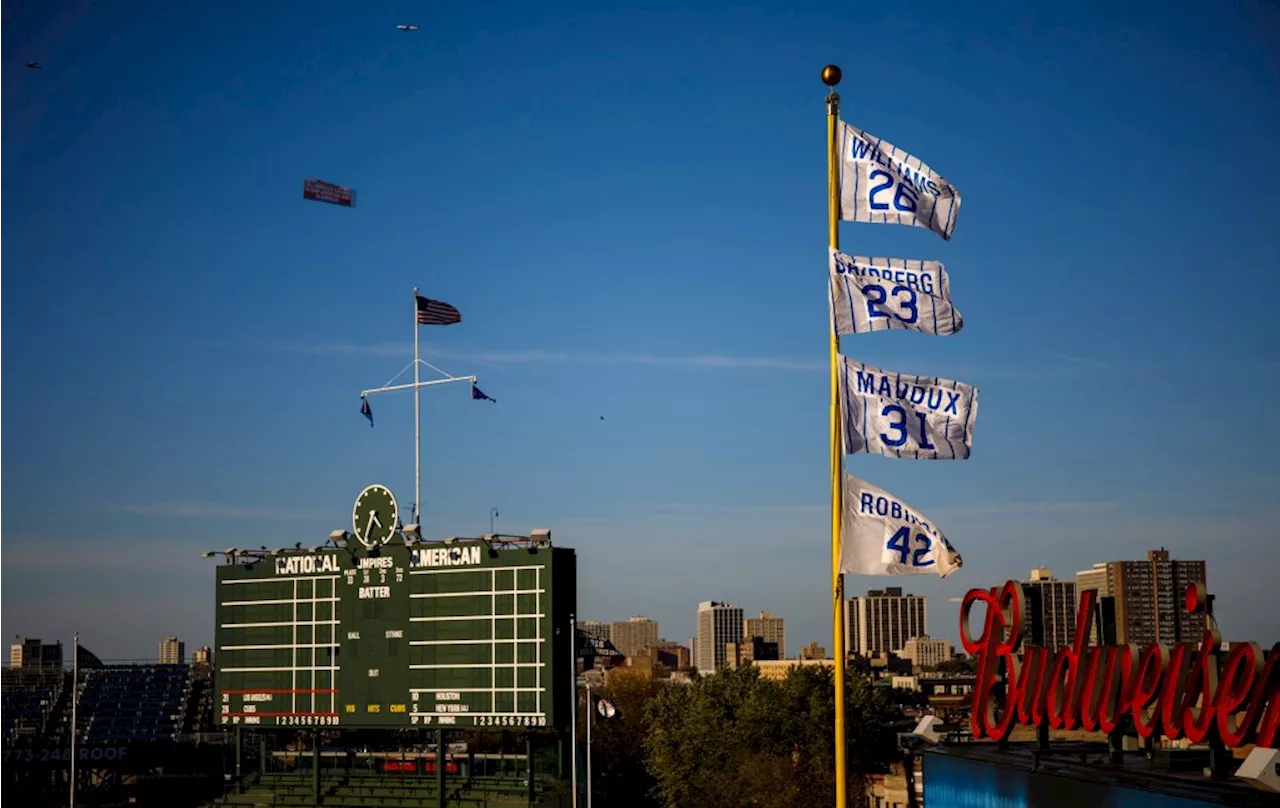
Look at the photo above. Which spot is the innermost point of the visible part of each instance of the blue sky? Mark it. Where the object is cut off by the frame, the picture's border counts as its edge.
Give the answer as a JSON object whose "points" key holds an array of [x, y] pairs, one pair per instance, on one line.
{"points": [[628, 207]]}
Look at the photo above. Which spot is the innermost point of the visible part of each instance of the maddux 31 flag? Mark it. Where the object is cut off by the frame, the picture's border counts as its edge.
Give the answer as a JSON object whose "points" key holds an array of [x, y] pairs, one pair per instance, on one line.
{"points": [[882, 294], [899, 415], [881, 183], [881, 535]]}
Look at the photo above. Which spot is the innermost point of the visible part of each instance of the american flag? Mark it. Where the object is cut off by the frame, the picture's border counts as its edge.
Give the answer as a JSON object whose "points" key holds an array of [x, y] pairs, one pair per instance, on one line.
{"points": [[435, 312]]}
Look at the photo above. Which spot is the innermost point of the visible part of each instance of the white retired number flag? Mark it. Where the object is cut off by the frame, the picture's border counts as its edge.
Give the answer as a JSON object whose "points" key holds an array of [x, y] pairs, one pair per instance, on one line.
{"points": [[883, 294], [881, 183], [899, 415], [881, 535]]}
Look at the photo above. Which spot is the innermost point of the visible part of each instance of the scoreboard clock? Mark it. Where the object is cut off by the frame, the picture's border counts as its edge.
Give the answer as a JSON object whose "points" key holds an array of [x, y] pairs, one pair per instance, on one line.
{"points": [[383, 634]]}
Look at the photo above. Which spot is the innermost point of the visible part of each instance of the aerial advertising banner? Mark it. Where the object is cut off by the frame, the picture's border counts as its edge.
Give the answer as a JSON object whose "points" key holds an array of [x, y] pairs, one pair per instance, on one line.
{"points": [[883, 294], [882, 535], [322, 191], [883, 184], [900, 415]]}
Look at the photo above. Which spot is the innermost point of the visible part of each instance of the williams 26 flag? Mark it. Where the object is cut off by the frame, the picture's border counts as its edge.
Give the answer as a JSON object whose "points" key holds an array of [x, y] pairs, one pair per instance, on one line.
{"points": [[883, 294], [899, 415], [882, 535], [881, 183]]}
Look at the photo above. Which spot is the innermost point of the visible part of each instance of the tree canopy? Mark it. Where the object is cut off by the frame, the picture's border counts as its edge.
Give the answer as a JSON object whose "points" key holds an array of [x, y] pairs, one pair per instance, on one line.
{"points": [[733, 739]]}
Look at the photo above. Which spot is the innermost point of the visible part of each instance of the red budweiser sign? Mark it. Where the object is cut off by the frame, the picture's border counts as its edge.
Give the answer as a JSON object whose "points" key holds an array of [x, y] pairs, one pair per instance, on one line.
{"points": [[1190, 690]]}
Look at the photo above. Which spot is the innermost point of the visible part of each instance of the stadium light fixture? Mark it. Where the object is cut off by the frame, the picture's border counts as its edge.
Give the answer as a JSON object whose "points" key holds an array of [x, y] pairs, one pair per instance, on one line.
{"points": [[338, 537]]}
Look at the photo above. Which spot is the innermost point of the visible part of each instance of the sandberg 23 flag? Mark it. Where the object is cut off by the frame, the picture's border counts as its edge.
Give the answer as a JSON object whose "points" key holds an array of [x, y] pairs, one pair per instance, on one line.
{"points": [[883, 294], [900, 415], [882, 535], [881, 183]]}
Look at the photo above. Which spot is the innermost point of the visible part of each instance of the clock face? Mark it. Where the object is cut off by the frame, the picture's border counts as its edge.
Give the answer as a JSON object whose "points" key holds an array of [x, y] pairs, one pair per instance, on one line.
{"points": [[375, 516]]}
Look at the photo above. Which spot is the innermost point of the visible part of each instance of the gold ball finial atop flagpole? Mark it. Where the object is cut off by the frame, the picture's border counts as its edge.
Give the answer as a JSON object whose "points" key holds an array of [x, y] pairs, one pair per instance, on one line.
{"points": [[831, 75]]}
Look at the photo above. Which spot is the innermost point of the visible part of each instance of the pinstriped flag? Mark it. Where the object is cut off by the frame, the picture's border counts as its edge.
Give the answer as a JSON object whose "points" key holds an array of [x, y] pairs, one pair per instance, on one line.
{"points": [[882, 535], [890, 294], [436, 312], [881, 183], [901, 415]]}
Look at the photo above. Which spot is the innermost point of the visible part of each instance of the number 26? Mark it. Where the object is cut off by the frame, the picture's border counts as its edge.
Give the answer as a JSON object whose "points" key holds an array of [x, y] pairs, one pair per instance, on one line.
{"points": [[904, 196], [876, 296]]}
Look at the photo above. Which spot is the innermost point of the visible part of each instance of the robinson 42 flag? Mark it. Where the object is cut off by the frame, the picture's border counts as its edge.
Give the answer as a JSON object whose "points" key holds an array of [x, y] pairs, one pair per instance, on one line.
{"points": [[882, 535], [882, 294], [881, 183], [899, 415]]}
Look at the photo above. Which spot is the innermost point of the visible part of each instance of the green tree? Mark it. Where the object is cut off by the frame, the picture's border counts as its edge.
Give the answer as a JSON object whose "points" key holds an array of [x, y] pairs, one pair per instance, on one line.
{"points": [[619, 775], [733, 740]]}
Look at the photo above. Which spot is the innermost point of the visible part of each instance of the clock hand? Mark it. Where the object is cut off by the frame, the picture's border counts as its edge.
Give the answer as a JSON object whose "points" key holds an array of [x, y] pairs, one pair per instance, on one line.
{"points": [[376, 521], [368, 525]]}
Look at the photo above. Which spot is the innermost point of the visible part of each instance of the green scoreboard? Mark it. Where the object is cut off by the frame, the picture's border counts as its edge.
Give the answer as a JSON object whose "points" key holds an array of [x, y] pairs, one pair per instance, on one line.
{"points": [[393, 636]]}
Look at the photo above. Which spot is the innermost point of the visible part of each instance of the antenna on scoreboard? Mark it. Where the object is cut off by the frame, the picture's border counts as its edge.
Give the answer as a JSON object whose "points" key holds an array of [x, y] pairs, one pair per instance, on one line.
{"points": [[425, 312]]}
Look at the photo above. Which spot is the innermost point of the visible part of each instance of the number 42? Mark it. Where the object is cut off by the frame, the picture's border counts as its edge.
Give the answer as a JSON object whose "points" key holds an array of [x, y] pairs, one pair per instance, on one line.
{"points": [[900, 543]]}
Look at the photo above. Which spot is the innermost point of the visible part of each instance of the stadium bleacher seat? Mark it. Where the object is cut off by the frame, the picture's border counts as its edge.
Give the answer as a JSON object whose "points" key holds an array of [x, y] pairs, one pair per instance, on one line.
{"points": [[132, 703], [28, 696]]}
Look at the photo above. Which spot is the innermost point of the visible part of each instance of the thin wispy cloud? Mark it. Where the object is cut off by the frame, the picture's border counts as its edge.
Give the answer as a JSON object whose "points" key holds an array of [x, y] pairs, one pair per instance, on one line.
{"points": [[1082, 361], [30, 555], [536, 356], [1017, 508], [200, 510]]}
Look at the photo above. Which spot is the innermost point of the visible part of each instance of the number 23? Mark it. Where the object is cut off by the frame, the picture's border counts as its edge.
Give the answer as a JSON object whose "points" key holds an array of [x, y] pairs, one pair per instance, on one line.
{"points": [[876, 296]]}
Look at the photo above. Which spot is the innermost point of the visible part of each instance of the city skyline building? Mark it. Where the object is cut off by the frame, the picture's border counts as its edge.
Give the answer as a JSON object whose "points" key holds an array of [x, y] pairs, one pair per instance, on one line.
{"points": [[718, 625], [882, 621]]}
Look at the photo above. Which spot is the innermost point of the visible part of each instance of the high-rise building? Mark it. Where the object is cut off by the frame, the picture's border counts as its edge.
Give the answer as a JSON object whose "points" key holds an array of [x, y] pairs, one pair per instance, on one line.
{"points": [[172, 652], [768, 628], [926, 652], [1094, 578], [883, 620], [1057, 608], [632, 636], [595, 628], [718, 624], [672, 654], [30, 652], [813, 651], [202, 656], [1148, 597]]}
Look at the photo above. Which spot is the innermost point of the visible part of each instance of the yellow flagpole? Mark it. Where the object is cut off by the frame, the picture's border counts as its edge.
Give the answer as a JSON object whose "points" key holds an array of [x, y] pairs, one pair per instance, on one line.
{"points": [[831, 77]]}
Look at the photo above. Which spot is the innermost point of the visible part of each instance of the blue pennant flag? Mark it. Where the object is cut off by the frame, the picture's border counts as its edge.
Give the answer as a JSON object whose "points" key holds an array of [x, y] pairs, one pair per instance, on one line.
{"points": [[366, 411], [479, 395]]}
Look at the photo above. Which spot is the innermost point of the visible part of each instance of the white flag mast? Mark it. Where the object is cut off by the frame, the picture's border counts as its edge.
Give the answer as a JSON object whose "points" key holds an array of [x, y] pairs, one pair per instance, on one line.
{"points": [[417, 386]]}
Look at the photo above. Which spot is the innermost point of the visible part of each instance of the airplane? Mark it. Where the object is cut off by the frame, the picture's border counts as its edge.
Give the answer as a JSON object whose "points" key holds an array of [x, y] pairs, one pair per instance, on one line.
{"points": [[33, 65], [407, 27]]}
